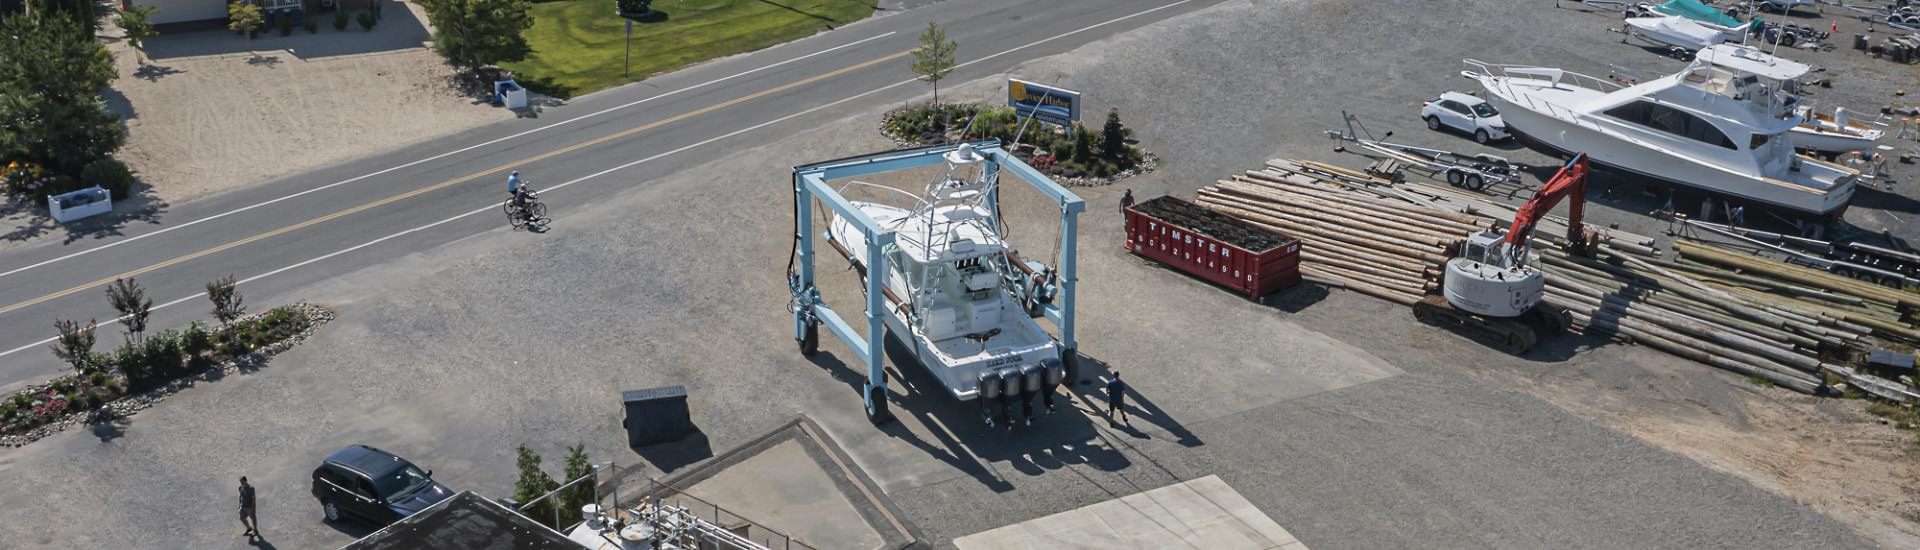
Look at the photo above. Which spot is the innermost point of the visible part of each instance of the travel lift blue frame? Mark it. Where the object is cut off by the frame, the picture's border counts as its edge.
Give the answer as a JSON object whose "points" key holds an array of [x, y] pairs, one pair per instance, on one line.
{"points": [[809, 310]]}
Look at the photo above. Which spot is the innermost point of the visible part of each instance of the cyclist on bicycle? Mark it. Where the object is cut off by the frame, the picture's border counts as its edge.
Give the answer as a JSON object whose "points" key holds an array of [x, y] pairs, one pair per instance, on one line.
{"points": [[518, 189]]}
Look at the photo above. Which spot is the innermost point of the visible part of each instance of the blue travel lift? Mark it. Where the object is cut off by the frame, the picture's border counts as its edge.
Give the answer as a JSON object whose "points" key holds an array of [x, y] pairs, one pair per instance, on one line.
{"points": [[810, 310]]}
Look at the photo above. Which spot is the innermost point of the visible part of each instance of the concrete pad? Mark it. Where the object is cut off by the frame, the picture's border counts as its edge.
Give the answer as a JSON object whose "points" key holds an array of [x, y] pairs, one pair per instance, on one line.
{"points": [[785, 489], [1202, 513]]}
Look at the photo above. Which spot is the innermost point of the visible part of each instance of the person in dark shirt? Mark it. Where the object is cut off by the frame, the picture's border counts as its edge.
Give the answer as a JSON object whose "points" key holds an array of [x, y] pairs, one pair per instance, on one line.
{"points": [[1126, 201], [247, 515], [1117, 399]]}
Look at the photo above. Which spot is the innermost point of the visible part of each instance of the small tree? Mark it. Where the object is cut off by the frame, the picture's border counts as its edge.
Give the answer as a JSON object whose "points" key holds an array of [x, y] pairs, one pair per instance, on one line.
{"points": [[246, 18], [1113, 138], [933, 60], [580, 494], [1082, 144], [131, 301], [135, 23], [75, 345], [533, 483], [227, 301], [473, 33]]}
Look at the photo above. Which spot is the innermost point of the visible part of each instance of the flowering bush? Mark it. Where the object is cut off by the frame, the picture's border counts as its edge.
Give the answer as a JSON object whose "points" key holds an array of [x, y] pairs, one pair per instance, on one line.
{"points": [[49, 406]]}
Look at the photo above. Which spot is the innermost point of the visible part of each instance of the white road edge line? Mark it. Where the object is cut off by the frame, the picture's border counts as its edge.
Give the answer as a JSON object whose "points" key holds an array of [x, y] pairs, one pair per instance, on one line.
{"points": [[634, 163], [439, 156]]}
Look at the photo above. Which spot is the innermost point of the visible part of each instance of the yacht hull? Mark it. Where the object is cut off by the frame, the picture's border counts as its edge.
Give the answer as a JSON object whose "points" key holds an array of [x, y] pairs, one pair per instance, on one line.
{"points": [[1620, 155]]}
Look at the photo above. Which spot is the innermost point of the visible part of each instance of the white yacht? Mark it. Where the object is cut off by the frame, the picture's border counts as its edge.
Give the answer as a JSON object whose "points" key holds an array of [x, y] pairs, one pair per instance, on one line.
{"points": [[949, 287], [1723, 125]]}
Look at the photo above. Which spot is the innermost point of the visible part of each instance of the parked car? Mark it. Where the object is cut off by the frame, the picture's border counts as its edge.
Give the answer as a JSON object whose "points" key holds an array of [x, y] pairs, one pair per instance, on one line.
{"points": [[1465, 113], [374, 486]]}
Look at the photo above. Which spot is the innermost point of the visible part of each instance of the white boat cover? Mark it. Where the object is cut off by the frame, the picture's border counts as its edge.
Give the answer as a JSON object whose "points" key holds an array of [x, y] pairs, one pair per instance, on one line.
{"points": [[1676, 30], [1749, 59]]}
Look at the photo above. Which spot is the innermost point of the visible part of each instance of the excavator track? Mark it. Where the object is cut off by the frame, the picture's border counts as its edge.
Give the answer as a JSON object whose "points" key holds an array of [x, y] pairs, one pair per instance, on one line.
{"points": [[1509, 335]]}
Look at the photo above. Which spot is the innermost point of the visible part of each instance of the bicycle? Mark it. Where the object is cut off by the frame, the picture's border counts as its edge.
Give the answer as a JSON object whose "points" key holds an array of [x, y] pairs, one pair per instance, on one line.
{"points": [[532, 215]]}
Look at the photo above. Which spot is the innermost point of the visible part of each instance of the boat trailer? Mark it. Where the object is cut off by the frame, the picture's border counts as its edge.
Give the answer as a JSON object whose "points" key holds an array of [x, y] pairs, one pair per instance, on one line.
{"points": [[1052, 299], [1473, 172]]}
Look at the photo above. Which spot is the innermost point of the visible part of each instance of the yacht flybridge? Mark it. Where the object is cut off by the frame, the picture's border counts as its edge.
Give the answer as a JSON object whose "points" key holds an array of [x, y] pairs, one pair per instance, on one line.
{"points": [[1724, 125]]}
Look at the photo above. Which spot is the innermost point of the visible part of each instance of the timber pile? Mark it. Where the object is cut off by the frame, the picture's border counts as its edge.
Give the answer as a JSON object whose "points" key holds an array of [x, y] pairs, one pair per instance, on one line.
{"points": [[1386, 249], [1796, 327]]}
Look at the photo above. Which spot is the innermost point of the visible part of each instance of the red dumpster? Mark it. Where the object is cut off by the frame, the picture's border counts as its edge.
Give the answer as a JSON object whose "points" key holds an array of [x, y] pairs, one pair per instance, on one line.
{"points": [[1213, 246]]}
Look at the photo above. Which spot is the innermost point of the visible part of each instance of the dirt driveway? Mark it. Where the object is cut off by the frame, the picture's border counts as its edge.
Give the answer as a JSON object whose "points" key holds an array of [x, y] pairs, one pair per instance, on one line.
{"points": [[203, 115]]}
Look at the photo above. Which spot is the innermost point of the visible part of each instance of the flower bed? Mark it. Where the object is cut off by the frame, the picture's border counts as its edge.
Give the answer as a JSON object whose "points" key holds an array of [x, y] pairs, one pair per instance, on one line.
{"points": [[140, 374], [1091, 156]]}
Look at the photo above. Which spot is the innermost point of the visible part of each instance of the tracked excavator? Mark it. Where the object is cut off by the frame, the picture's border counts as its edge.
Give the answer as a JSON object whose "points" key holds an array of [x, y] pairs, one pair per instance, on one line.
{"points": [[1490, 293]]}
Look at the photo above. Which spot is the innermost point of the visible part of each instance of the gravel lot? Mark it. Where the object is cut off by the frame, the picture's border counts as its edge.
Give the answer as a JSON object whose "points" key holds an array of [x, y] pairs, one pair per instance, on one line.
{"points": [[1349, 423]]}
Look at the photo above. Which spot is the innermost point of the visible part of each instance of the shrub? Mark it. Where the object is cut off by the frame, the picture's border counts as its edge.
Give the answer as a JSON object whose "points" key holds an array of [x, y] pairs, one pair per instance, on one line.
{"points": [[97, 379], [312, 26], [366, 20], [22, 400], [62, 384], [1082, 144], [339, 19], [6, 410], [109, 174], [164, 354], [196, 341], [228, 303], [286, 25]]}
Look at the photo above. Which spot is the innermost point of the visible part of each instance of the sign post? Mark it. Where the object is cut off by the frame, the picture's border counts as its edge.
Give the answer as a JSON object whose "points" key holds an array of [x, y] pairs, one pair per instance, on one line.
{"points": [[627, 69]]}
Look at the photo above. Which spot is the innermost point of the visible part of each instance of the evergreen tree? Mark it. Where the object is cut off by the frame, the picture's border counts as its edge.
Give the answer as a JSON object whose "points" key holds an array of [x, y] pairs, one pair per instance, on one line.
{"points": [[474, 33], [533, 483], [136, 23], [51, 74]]}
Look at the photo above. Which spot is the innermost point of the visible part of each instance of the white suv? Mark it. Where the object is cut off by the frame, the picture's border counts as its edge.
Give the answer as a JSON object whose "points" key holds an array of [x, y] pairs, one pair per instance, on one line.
{"points": [[1464, 113]]}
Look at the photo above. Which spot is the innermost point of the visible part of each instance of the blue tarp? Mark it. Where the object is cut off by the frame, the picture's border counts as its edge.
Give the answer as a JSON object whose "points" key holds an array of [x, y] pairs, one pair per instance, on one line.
{"points": [[1693, 9]]}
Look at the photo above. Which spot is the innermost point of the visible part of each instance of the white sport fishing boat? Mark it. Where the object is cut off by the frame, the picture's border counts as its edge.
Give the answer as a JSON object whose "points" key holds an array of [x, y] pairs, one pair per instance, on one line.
{"points": [[1723, 125], [1833, 132], [950, 287]]}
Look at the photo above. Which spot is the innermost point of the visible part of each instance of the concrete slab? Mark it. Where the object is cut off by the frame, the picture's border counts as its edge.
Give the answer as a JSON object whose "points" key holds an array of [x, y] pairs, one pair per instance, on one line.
{"points": [[783, 488], [1202, 513]]}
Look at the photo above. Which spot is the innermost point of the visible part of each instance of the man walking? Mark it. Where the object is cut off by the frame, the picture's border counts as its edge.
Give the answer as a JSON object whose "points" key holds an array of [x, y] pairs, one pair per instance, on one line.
{"points": [[1126, 201], [247, 515], [1117, 399]]}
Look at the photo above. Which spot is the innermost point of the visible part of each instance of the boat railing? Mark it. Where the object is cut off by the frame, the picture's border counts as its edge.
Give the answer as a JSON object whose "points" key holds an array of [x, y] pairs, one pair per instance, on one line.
{"points": [[1504, 76], [912, 202]]}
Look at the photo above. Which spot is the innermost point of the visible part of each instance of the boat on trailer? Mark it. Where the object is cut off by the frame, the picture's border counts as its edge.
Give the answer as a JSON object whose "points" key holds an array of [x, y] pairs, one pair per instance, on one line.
{"points": [[1723, 125]]}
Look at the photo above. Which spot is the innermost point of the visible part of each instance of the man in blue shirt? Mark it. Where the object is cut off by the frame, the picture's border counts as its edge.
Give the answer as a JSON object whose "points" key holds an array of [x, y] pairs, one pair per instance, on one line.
{"points": [[1117, 399], [515, 188]]}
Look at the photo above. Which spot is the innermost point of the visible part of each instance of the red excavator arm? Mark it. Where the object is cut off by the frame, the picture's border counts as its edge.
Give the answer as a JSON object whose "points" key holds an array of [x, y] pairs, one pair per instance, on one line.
{"points": [[1569, 183]]}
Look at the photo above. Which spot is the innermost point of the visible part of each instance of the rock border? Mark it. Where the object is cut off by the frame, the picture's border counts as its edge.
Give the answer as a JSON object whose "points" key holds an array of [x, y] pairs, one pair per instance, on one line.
{"points": [[126, 406]]}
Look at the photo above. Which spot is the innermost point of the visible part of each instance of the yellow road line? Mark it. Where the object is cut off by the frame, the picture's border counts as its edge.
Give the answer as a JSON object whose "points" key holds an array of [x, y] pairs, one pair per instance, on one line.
{"points": [[451, 182]]}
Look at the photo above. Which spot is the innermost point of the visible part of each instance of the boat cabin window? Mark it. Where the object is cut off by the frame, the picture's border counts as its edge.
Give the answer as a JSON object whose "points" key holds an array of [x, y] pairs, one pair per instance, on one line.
{"points": [[1672, 121], [1758, 141]]}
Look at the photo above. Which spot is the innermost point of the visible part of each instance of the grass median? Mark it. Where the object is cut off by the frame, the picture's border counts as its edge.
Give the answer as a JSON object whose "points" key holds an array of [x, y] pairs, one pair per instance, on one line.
{"points": [[577, 44]]}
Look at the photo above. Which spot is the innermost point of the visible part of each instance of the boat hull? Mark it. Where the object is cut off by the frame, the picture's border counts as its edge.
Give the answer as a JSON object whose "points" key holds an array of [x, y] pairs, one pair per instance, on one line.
{"points": [[1620, 155]]}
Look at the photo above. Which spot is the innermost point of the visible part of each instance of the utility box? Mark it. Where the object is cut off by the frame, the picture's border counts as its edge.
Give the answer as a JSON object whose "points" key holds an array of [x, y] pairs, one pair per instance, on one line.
{"points": [[656, 415], [92, 201]]}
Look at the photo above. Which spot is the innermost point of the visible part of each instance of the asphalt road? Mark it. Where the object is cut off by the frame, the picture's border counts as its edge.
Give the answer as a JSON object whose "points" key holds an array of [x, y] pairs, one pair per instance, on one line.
{"points": [[283, 236]]}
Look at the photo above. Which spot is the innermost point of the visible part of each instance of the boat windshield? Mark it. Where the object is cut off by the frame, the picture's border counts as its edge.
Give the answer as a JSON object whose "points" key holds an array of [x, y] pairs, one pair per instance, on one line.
{"points": [[1484, 110]]}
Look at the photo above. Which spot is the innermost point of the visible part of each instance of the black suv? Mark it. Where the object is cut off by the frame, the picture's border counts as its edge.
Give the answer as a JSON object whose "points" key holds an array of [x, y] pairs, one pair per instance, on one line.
{"points": [[374, 485]]}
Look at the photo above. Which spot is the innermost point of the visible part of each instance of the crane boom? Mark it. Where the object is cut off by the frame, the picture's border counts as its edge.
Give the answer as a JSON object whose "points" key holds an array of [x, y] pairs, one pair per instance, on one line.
{"points": [[1569, 183]]}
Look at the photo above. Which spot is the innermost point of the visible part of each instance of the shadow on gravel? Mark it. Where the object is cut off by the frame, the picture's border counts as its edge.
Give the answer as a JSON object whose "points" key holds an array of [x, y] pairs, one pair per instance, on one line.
{"points": [[32, 220], [110, 429], [672, 455]]}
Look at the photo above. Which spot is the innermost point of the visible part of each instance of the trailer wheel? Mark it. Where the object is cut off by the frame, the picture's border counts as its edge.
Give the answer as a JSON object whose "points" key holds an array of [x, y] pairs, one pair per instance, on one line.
{"points": [[1474, 183], [1455, 177]]}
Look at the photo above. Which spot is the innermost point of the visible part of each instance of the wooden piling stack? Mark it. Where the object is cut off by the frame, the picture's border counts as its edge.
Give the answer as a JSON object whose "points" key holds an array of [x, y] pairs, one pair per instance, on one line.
{"points": [[1795, 327]]}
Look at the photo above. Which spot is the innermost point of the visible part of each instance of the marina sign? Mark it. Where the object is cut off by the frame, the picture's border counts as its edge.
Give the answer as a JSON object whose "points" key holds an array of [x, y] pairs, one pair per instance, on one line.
{"points": [[1052, 105]]}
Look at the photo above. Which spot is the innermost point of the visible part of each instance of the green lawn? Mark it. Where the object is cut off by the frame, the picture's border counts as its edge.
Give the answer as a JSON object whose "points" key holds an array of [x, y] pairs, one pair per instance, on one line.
{"points": [[577, 43]]}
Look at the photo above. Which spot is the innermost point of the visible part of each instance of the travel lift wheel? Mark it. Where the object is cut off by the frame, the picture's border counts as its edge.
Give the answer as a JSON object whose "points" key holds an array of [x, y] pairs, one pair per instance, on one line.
{"points": [[876, 398], [810, 340]]}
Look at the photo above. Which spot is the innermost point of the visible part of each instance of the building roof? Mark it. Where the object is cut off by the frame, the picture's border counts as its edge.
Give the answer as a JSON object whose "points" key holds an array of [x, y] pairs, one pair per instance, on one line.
{"points": [[465, 521]]}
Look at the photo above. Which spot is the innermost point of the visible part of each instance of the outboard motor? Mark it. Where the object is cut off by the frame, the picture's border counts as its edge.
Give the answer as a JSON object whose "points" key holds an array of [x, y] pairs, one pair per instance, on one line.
{"points": [[1010, 381], [1054, 374], [989, 384], [1030, 375]]}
